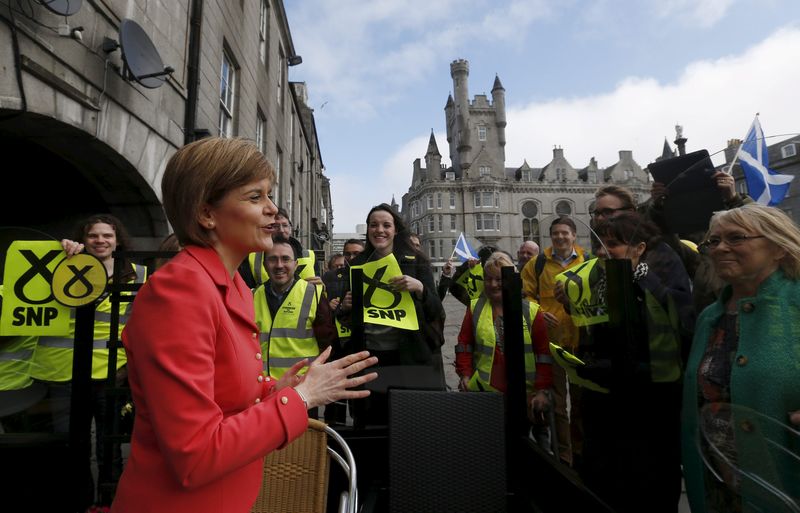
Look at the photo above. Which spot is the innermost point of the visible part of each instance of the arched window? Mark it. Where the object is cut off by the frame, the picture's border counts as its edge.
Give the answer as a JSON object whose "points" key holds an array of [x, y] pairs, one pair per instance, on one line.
{"points": [[530, 230], [563, 208], [530, 225]]}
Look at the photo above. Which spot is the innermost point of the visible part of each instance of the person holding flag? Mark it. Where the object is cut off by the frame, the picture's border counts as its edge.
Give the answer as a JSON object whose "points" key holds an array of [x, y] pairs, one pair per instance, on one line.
{"points": [[397, 276], [465, 253], [466, 282]]}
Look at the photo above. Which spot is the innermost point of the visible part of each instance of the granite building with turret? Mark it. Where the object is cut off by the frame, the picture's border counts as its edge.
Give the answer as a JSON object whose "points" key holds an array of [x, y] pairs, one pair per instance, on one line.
{"points": [[491, 202]]}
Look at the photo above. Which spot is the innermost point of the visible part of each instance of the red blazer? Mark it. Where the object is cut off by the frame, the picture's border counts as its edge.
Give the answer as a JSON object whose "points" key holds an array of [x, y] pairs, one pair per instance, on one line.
{"points": [[205, 416]]}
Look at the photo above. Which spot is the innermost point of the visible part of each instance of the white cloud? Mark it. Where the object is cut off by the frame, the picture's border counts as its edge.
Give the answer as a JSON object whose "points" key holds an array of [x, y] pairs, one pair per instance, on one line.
{"points": [[344, 44], [713, 100]]}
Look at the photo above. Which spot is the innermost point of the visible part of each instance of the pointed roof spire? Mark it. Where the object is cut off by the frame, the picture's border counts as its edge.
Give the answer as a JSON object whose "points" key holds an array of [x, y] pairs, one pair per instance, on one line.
{"points": [[497, 84], [667, 151], [433, 148], [450, 101]]}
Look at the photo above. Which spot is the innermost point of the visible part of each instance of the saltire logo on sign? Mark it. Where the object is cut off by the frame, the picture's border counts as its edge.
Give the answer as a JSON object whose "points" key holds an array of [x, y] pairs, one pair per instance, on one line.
{"points": [[472, 280], [382, 304], [29, 305], [582, 286]]}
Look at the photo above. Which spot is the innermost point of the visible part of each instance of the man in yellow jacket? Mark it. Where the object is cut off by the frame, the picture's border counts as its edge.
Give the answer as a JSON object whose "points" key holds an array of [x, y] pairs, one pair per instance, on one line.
{"points": [[538, 283]]}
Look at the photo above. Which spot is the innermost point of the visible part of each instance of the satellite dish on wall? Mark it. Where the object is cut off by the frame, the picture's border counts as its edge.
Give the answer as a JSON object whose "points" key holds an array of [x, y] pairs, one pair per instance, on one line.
{"points": [[142, 61], [62, 7]]}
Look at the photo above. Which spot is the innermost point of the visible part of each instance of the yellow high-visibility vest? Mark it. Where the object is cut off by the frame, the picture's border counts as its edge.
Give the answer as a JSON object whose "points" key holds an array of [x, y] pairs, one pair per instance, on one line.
{"points": [[289, 337], [16, 360], [53, 359], [486, 341]]}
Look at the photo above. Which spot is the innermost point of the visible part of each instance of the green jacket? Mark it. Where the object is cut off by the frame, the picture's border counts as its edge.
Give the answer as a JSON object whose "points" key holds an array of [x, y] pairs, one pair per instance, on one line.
{"points": [[765, 381]]}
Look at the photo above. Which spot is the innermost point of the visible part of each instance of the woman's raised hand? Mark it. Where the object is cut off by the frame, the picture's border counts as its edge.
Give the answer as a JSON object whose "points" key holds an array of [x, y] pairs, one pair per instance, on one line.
{"points": [[327, 382]]}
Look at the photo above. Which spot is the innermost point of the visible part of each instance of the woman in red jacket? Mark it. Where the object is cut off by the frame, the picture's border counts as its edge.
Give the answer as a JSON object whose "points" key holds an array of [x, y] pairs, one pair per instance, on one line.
{"points": [[205, 413]]}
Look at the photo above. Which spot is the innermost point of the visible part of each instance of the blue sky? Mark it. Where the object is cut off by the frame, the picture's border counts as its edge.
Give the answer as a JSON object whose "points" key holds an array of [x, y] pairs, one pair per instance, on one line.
{"points": [[592, 76]]}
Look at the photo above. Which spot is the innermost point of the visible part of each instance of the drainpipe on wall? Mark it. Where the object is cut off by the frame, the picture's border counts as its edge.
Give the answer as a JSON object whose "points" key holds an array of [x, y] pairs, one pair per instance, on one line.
{"points": [[193, 72]]}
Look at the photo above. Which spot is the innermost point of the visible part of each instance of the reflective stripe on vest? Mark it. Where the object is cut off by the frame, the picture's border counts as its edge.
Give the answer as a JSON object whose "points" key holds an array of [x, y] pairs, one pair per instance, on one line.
{"points": [[53, 357], [256, 261], [289, 337], [486, 341], [16, 360], [664, 341]]}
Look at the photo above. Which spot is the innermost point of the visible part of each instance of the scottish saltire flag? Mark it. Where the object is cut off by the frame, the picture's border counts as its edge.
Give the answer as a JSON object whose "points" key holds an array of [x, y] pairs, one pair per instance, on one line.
{"points": [[463, 249], [764, 185]]}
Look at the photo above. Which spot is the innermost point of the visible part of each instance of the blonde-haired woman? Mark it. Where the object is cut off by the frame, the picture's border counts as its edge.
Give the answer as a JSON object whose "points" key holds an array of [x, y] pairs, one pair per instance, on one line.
{"points": [[742, 380], [480, 352]]}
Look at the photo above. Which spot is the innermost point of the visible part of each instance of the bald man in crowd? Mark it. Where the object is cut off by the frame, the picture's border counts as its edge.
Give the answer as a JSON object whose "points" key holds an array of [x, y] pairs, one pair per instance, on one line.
{"points": [[526, 251]]}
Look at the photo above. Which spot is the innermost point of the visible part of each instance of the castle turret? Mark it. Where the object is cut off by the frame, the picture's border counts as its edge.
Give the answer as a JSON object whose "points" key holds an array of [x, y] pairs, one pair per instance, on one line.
{"points": [[499, 101], [459, 70], [433, 159]]}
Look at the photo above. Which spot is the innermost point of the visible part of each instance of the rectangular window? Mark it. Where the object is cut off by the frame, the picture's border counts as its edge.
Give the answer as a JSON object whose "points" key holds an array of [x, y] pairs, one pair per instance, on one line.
{"points": [[449, 176], [440, 222], [788, 150], [281, 65], [438, 200], [227, 90], [452, 223], [561, 175], [485, 199], [452, 200], [261, 131], [263, 31], [484, 170], [431, 249], [487, 222], [429, 199], [441, 248], [278, 174], [482, 133], [526, 175], [430, 224]]}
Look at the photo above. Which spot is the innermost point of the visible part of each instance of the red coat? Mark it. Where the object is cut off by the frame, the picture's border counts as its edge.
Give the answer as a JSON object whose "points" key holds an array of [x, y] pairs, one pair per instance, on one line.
{"points": [[204, 419]]}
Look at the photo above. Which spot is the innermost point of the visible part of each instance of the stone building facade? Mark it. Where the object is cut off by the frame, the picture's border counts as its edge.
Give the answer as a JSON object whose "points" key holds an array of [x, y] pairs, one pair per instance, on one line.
{"points": [[93, 140], [489, 201]]}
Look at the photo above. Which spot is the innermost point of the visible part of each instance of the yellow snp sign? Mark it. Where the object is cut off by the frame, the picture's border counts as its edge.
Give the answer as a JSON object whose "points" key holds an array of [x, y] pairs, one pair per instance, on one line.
{"points": [[382, 304], [305, 266], [342, 330], [29, 306], [581, 283], [472, 280]]}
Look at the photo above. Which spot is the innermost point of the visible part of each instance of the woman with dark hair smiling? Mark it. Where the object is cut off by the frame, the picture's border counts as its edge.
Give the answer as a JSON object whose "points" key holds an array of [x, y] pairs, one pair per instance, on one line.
{"points": [[387, 234]]}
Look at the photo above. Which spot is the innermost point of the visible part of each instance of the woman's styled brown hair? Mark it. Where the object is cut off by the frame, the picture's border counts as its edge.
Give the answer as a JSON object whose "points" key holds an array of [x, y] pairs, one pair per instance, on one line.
{"points": [[202, 173]]}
